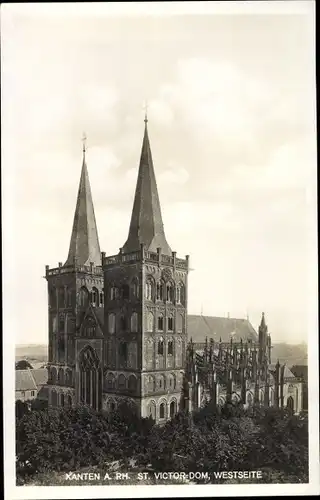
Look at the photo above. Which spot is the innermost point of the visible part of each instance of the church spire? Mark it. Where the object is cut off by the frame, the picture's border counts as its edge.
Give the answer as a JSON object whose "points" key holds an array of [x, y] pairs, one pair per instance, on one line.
{"points": [[146, 226], [84, 244]]}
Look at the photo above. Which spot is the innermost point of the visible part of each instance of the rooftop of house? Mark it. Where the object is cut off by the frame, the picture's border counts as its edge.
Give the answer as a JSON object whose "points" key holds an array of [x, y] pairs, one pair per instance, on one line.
{"points": [[200, 327], [31, 380]]}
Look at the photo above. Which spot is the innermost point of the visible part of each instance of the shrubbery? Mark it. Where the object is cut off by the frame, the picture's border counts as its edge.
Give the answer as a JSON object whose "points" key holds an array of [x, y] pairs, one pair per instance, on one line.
{"points": [[210, 440]]}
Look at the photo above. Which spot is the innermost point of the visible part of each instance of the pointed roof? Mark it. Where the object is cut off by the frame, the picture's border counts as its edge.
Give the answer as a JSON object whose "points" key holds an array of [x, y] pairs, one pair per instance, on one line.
{"points": [[263, 325], [146, 226], [84, 244]]}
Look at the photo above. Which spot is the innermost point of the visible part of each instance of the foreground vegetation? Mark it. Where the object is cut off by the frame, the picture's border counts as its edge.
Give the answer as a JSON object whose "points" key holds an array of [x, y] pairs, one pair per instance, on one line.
{"points": [[54, 441]]}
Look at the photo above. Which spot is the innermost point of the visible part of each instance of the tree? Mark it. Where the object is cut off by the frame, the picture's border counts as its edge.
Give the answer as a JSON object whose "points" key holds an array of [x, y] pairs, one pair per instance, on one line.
{"points": [[23, 364]]}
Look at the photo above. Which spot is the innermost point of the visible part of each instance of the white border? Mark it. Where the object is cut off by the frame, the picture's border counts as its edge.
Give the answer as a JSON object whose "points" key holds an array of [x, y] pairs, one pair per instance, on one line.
{"points": [[28, 492]]}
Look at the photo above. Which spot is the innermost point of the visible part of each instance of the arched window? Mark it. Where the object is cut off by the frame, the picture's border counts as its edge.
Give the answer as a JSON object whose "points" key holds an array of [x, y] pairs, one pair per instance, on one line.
{"points": [[151, 384], [169, 294], [125, 291], [111, 322], [160, 288], [134, 322], [160, 347], [61, 323], [121, 382], [53, 375], [69, 298], [101, 299], [150, 321], [61, 298], [180, 293], [149, 289], [54, 398], [123, 352], [61, 377], [62, 399], [69, 401], [162, 410], [69, 377], [61, 349], [170, 348], [123, 323], [170, 323], [95, 297], [53, 298], [114, 293], [249, 399], [132, 383], [83, 297], [161, 382], [110, 381], [135, 288], [290, 403], [172, 381], [172, 409], [179, 322], [54, 324], [160, 323], [152, 410]]}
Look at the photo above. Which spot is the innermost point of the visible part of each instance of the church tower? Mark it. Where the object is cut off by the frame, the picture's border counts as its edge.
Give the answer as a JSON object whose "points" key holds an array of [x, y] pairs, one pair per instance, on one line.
{"points": [[145, 309], [75, 304]]}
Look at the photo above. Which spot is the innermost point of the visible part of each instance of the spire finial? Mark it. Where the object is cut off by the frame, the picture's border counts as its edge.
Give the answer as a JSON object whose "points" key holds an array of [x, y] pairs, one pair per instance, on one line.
{"points": [[145, 107], [84, 142]]}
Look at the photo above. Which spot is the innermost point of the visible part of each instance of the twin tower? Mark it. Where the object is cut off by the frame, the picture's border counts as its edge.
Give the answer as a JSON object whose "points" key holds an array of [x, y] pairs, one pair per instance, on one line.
{"points": [[118, 324]]}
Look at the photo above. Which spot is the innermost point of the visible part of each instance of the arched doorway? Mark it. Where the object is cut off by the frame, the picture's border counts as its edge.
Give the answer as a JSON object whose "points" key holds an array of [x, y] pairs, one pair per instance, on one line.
{"points": [[290, 403], [90, 378]]}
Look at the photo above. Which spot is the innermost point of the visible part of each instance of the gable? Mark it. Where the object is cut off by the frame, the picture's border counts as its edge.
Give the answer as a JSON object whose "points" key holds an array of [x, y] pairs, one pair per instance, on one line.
{"points": [[91, 325]]}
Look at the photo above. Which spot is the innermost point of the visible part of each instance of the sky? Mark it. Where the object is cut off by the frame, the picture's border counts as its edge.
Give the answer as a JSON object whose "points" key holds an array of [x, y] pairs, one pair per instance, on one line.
{"points": [[231, 109]]}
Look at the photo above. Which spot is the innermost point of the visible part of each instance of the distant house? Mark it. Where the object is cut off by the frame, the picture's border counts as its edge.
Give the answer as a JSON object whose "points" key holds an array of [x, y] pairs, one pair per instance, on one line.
{"points": [[30, 383]]}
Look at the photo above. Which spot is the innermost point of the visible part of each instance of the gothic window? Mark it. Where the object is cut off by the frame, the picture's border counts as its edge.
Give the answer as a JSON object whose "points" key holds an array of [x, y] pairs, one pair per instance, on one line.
{"points": [[151, 384], [123, 351], [54, 324], [149, 289], [132, 383], [95, 297], [61, 377], [90, 328], [249, 399], [152, 410], [62, 399], [170, 323], [61, 349], [162, 411], [180, 293], [114, 293], [83, 297], [169, 294], [179, 322], [290, 403], [161, 382], [134, 322], [53, 375], [61, 323], [110, 381], [170, 347], [172, 381], [125, 291], [160, 323], [123, 323], [69, 401], [160, 288], [53, 298], [160, 347], [111, 322], [135, 288], [69, 377], [172, 408], [150, 321], [54, 398], [69, 298], [121, 382], [101, 299], [61, 297]]}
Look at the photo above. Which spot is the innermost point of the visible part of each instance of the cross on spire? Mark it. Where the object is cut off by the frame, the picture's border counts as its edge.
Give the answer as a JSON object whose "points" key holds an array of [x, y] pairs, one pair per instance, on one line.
{"points": [[145, 107], [84, 142]]}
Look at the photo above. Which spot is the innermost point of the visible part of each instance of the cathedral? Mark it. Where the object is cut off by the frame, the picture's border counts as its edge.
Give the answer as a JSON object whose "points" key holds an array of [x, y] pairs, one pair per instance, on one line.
{"points": [[119, 330]]}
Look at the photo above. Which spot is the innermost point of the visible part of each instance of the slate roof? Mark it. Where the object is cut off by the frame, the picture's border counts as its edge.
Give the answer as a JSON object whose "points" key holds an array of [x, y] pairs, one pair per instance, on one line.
{"points": [[300, 371], [31, 380], [84, 243], [200, 327], [146, 224], [287, 372]]}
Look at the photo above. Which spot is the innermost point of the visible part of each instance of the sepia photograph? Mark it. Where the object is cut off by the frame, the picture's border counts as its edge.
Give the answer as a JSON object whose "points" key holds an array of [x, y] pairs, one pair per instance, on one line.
{"points": [[159, 200]]}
